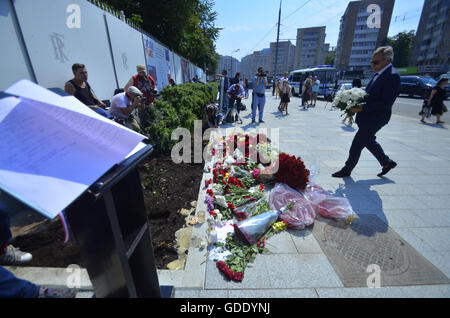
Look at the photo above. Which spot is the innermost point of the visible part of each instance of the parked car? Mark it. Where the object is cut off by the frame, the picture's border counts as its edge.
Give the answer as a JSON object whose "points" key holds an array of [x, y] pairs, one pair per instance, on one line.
{"points": [[447, 88], [331, 93], [416, 86]]}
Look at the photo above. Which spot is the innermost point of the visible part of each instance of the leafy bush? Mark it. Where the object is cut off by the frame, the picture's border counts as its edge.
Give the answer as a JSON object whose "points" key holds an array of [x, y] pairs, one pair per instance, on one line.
{"points": [[179, 106]]}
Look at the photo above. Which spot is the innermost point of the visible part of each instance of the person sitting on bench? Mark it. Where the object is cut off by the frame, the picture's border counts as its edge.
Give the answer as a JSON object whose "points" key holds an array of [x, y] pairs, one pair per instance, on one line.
{"points": [[80, 88]]}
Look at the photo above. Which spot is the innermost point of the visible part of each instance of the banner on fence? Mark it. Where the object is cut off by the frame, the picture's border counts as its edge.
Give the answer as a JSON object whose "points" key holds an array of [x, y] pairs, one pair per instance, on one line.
{"points": [[158, 62]]}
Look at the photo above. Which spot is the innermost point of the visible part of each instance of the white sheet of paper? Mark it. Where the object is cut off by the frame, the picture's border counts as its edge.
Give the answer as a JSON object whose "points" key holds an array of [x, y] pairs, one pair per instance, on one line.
{"points": [[52, 150]]}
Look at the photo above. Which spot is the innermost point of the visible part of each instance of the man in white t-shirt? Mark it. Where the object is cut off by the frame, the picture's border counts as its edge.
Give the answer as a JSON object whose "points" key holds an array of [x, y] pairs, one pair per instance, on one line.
{"points": [[315, 90], [124, 107]]}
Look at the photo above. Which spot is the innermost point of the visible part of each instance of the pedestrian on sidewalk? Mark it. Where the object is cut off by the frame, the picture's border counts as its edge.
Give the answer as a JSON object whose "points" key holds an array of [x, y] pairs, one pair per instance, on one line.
{"points": [[285, 94], [315, 91], [11, 286], [436, 101], [277, 89], [259, 94], [382, 92], [246, 87], [307, 91]]}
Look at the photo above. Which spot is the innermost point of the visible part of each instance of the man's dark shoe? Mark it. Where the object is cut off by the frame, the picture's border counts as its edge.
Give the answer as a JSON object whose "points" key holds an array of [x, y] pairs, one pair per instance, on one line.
{"points": [[341, 174], [262, 121], [387, 168]]}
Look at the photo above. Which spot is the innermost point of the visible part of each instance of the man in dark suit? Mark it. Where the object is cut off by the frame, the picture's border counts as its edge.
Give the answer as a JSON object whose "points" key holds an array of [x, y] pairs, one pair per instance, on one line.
{"points": [[376, 113]]}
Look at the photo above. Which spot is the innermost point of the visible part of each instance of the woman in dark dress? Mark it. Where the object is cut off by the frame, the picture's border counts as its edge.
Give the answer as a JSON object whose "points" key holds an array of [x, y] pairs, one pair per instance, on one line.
{"points": [[436, 101]]}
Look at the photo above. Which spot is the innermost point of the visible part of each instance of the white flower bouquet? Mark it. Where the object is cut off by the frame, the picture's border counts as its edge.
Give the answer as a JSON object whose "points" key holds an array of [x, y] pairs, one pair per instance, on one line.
{"points": [[346, 99]]}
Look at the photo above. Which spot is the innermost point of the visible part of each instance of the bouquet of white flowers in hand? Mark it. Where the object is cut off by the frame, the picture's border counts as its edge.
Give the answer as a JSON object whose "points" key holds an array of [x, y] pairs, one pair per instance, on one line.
{"points": [[346, 99]]}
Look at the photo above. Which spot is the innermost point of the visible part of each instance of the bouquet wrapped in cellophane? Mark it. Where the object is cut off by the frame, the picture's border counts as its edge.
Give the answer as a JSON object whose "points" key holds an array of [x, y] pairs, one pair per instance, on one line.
{"points": [[346, 99]]}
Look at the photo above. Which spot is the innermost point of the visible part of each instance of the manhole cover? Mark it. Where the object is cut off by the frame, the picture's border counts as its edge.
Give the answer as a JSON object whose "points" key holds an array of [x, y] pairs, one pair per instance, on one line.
{"points": [[352, 249]]}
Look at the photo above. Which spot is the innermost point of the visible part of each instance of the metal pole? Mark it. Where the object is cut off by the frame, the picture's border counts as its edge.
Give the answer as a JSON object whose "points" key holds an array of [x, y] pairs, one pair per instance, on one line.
{"points": [[276, 48]]}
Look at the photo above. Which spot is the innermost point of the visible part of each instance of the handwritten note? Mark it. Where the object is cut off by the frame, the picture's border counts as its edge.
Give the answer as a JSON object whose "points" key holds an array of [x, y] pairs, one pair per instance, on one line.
{"points": [[52, 148]]}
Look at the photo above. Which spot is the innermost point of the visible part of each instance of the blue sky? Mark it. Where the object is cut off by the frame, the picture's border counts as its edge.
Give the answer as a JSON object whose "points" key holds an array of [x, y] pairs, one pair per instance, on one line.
{"points": [[250, 25]]}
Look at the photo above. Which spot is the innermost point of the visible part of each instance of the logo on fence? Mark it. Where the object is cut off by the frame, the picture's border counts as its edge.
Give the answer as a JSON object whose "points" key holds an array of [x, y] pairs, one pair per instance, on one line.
{"points": [[374, 20], [125, 61], [58, 47], [74, 19]]}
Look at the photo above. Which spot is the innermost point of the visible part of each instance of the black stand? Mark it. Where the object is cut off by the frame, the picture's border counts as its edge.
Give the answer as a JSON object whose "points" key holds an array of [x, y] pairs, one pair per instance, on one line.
{"points": [[110, 224]]}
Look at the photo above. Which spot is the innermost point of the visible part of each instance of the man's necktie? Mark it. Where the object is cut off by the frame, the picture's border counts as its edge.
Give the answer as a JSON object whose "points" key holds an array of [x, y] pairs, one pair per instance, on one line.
{"points": [[371, 82]]}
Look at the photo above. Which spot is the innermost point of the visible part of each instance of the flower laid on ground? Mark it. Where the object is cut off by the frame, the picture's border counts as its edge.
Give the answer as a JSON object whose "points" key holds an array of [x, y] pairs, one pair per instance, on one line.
{"points": [[292, 171], [236, 193], [346, 99]]}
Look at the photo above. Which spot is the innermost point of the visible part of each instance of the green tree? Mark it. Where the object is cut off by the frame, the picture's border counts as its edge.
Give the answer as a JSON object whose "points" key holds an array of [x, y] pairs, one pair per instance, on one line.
{"points": [[329, 59], [402, 43], [185, 26]]}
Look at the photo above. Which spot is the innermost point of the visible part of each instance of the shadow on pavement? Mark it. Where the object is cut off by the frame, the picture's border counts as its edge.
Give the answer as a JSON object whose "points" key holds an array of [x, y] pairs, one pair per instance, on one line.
{"points": [[348, 128], [358, 191], [435, 125]]}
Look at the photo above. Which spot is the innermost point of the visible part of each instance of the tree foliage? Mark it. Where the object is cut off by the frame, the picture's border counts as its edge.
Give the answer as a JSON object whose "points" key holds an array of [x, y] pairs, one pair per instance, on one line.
{"points": [[402, 43], [185, 26], [329, 59]]}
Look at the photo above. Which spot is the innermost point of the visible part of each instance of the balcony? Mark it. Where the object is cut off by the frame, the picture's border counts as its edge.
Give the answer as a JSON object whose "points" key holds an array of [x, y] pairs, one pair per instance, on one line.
{"points": [[367, 31], [359, 63]]}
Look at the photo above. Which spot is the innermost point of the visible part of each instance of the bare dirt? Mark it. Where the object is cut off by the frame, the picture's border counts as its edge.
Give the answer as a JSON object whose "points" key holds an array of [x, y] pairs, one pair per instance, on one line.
{"points": [[168, 187]]}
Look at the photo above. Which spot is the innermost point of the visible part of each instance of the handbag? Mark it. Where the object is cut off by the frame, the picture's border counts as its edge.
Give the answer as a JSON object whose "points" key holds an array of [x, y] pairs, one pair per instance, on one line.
{"points": [[242, 107], [444, 108]]}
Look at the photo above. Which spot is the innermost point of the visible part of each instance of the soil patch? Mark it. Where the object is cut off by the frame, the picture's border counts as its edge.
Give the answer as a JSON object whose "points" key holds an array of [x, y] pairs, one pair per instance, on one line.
{"points": [[168, 187]]}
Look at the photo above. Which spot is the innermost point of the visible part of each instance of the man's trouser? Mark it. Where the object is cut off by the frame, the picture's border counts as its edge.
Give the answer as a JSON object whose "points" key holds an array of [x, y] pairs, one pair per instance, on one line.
{"points": [[5, 232], [365, 138], [258, 103], [233, 109], [11, 286]]}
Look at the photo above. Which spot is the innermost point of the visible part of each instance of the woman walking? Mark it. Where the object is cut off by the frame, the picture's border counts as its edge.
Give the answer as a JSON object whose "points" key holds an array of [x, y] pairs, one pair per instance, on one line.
{"points": [[285, 93], [436, 101], [246, 87], [307, 91]]}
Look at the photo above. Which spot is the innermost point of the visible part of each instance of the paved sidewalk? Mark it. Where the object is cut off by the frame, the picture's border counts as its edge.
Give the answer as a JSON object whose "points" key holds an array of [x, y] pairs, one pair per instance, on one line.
{"points": [[413, 199]]}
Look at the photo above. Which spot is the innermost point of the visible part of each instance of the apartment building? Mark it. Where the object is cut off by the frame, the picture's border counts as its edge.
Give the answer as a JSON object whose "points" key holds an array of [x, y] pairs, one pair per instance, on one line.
{"points": [[251, 62], [286, 58], [310, 47], [230, 64], [431, 52], [363, 27]]}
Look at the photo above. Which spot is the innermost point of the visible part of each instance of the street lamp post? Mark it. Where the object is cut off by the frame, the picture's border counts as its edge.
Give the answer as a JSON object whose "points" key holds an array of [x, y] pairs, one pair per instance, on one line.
{"points": [[231, 61]]}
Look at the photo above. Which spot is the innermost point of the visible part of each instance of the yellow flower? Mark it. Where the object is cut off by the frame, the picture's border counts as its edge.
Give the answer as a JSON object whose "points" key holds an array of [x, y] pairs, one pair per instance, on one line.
{"points": [[227, 175], [279, 226], [350, 219]]}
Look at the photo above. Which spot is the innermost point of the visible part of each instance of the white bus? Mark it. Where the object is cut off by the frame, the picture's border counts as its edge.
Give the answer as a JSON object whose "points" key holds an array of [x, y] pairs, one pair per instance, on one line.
{"points": [[326, 75]]}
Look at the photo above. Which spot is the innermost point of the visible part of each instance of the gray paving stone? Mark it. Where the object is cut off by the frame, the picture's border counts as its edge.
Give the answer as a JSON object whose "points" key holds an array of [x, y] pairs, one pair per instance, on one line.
{"points": [[429, 291], [255, 276], [281, 243], [186, 292], [417, 243], [439, 259], [300, 271], [273, 293], [305, 242], [361, 292], [437, 237]]}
